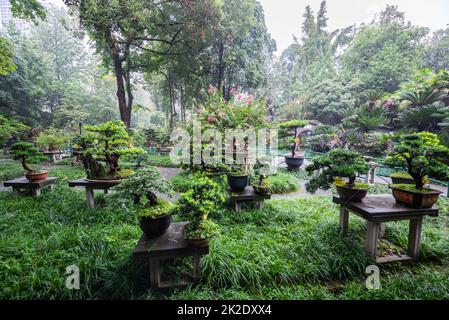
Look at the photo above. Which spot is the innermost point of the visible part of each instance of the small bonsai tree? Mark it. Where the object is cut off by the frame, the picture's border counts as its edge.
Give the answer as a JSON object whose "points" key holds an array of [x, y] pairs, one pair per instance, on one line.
{"points": [[422, 155], [26, 152], [338, 163], [140, 189], [294, 124], [196, 204], [102, 146]]}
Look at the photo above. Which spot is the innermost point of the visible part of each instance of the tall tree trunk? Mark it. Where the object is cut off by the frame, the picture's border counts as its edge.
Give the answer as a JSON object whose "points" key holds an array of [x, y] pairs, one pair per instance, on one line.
{"points": [[129, 91], [125, 115]]}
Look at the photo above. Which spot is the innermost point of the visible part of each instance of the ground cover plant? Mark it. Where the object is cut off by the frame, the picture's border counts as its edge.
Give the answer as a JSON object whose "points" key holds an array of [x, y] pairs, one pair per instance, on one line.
{"points": [[309, 259]]}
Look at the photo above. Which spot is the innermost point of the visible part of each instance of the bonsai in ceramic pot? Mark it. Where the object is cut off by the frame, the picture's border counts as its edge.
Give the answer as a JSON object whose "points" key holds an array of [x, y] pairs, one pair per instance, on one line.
{"points": [[26, 152], [421, 154], [262, 186], [238, 178], [294, 160], [102, 146], [138, 192], [405, 178], [333, 167], [204, 196]]}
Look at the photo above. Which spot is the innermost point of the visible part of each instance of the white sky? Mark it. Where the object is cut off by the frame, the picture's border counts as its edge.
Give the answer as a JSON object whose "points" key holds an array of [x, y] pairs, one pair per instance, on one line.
{"points": [[284, 17]]}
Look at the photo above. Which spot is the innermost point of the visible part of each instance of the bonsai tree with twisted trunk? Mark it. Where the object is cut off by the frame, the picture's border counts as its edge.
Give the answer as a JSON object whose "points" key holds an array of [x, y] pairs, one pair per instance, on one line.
{"points": [[337, 164], [26, 152], [102, 146], [422, 155]]}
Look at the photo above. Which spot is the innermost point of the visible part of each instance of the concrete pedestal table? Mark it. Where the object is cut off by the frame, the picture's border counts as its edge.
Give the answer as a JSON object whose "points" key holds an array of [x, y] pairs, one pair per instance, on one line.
{"points": [[169, 246], [34, 186], [378, 209], [247, 196]]}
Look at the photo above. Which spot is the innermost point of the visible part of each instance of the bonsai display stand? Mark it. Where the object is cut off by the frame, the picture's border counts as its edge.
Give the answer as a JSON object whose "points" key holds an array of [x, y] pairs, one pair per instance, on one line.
{"points": [[378, 209], [33, 186], [247, 196], [371, 175], [168, 246], [54, 156], [90, 186]]}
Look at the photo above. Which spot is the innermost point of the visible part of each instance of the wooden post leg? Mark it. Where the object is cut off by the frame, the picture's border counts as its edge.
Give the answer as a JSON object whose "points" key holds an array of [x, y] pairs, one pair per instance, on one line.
{"points": [[196, 268], [344, 220], [372, 235], [367, 178], [36, 192], [154, 273], [106, 191], [90, 198], [414, 237]]}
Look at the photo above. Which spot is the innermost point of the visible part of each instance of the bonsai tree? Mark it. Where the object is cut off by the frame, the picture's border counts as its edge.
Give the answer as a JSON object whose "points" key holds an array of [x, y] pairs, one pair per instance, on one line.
{"points": [[26, 152], [138, 192], [338, 163], [294, 124], [102, 146], [422, 155], [196, 204], [140, 189], [51, 139], [262, 185]]}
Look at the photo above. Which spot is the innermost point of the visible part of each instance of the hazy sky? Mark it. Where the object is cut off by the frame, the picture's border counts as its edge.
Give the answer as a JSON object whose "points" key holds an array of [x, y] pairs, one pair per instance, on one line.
{"points": [[284, 17]]}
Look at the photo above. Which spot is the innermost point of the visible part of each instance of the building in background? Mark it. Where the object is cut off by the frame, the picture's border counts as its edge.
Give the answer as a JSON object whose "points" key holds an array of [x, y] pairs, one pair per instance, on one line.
{"points": [[6, 18]]}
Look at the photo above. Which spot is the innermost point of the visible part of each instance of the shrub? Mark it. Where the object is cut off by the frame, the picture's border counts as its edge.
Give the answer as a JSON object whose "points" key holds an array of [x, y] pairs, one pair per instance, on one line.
{"points": [[421, 154], [338, 163]]}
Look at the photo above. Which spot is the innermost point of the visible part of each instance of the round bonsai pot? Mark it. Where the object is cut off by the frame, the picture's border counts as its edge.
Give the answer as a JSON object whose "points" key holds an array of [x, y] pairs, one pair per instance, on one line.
{"points": [[238, 183], [399, 180], [155, 227], [261, 190], [351, 194], [197, 242], [294, 163], [36, 176], [415, 199]]}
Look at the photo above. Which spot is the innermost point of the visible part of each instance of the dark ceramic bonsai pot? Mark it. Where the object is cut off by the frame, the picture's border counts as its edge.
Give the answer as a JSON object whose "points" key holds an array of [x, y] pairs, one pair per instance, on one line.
{"points": [[294, 163], [155, 227], [351, 194], [238, 183], [261, 190], [399, 180], [198, 242]]}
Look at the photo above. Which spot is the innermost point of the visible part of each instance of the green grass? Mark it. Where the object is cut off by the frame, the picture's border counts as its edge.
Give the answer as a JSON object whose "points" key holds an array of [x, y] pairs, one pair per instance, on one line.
{"points": [[160, 161], [281, 183], [10, 169], [182, 182], [291, 249]]}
